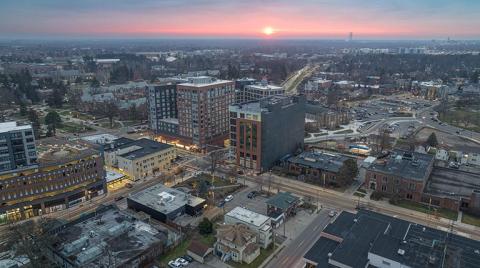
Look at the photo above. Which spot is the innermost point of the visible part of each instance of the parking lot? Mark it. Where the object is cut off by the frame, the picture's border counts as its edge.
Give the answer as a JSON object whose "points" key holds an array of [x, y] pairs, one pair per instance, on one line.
{"points": [[240, 199]]}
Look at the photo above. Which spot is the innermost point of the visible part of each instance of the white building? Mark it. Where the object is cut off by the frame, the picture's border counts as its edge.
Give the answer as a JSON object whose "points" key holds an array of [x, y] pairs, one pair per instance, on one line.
{"points": [[256, 222], [260, 91]]}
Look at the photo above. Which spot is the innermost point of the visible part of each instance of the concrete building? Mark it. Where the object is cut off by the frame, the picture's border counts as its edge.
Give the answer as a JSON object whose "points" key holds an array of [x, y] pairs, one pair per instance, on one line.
{"points": [[259, 134], [370, 239], [258, 223], [68, 173], [165, 204], [401, 173], [140, 158], [259, 91], [319, 168], [162, 108], [109, 237], [17, 146], [203, 110], [237, 243], [240, 85]]}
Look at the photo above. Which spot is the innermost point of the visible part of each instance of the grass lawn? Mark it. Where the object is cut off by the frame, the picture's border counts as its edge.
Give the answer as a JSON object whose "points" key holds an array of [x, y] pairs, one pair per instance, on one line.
{"points": [[264, 253], [441, 212], [361, 190], [74, 128], [176, 252], [470, 219], [207, 239], [346, 131], [359, 194]]}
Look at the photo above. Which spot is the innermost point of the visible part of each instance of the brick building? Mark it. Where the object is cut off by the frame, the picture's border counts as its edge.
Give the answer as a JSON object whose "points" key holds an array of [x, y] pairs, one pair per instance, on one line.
{"points": [[401, 173], [68, 173], [259, 134], [202, 105]]}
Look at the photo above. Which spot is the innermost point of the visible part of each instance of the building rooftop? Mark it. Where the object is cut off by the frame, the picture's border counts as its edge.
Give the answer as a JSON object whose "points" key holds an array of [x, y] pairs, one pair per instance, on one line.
{"points": [[248, 217], [12, 126], [164, 199], [452, 183], [264, 87], [142, 148], [410, 165], [409, 244], [55, 150], [104, 138], [324, 161], [203, 81], [282, 200], [95, 239], [266, 104]]}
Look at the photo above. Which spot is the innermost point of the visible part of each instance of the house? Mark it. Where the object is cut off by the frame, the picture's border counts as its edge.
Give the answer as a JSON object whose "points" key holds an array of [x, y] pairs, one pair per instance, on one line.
{"points": [[282, 206], [198, 251], [237, 243], [442, 153], [257, 222]]}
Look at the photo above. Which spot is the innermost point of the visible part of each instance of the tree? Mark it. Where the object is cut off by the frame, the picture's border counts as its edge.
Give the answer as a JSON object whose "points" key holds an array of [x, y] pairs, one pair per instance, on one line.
{"points": [[110, 110], [347, 172], [205, 227], [52, 120], [35, 120], [23, 109], [95, 83], [432, 140], [56, 99]]}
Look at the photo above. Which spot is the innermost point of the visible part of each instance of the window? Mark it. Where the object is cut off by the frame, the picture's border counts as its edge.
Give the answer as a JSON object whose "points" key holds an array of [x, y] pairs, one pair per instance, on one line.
{"points": [[384, 188]]}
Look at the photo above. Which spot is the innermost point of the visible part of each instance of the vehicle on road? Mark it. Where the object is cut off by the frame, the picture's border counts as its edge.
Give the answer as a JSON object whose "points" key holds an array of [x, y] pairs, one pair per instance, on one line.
{"points": [[128, 185], [118, 198], [221, 203], [229, 198]]}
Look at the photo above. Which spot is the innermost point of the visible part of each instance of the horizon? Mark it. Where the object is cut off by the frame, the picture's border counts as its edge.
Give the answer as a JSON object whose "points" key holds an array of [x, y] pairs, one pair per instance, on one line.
{"points": [[212, 19]]}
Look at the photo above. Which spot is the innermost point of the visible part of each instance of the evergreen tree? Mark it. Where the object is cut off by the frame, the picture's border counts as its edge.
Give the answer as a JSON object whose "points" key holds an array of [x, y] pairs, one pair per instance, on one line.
{"points": [[432, 140]]}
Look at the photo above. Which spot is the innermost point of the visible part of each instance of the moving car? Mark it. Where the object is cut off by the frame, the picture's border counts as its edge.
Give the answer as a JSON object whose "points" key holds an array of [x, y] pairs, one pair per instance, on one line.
{"points": [[229, 198], [252, 194], [332, 213]]}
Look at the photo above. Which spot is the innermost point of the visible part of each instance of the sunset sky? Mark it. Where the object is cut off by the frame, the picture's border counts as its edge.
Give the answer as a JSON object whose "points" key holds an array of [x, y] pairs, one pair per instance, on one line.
{"points": [[367, 19]]}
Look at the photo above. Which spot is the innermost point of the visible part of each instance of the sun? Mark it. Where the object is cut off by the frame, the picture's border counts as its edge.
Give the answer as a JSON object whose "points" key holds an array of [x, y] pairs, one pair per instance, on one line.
{"points": [[268, 30]]}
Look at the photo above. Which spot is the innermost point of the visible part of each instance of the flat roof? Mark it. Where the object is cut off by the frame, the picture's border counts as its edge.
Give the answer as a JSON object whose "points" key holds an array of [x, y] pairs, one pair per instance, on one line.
{"points": [[409, 165], [12, 126], [103, 138], [83, 242], [144, 147], [324, 161], [55, 150], [453, 183], [261, 86], [248, 216], [410, 244], [165, 199]]}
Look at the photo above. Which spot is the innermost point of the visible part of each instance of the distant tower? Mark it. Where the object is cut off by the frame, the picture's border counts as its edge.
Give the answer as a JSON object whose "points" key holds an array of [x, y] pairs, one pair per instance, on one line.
{"points": [[350, 37]]}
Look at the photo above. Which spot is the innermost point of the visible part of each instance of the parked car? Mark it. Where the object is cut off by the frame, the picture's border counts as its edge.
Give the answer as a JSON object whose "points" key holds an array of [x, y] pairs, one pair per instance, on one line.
{"points": [[187, 258], [252, 194], [182, 261], [118, 198], [332, 213], [229, 198], [174, 264], [221, 203], [128, 185]]}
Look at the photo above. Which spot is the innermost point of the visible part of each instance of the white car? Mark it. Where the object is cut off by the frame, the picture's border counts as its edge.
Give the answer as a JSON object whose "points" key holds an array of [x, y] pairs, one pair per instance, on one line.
{"points": [[332, 213], [174, 264], [182, 261], [229, 198]]}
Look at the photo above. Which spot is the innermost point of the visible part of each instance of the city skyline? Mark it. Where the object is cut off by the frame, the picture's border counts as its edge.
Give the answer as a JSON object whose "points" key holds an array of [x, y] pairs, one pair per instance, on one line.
{"points": [[325, 19]]}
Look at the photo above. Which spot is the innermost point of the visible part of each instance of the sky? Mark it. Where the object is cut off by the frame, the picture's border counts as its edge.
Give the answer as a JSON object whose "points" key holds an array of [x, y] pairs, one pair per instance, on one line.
{"points": [[327, 19]]}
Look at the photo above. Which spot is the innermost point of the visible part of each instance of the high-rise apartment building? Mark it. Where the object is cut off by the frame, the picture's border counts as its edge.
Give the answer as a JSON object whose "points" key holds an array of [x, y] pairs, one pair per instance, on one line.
{"points": [[203, 110], [17, 146], [264, 131], [162, 108]]}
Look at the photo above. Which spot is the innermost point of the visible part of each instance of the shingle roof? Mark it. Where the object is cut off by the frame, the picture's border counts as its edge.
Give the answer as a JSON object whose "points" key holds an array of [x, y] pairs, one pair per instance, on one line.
{"points": [[282, 200]]}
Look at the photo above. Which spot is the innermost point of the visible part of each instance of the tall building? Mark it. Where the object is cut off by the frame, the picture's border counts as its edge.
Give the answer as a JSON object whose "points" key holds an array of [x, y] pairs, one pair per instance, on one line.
{"points": [[203, 110], [68, 173], [259, 91], [17, 146], [162, 108], [264, 131]]}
